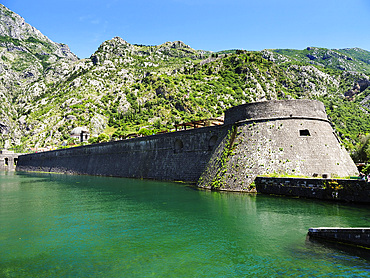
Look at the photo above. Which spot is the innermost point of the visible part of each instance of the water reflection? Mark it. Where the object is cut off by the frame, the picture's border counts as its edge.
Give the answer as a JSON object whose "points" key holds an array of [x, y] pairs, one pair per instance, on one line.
{"points": [[58, 225]]}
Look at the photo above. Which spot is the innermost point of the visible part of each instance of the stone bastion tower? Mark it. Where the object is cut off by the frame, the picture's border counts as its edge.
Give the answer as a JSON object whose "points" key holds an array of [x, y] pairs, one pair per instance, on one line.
{"points": [[285, 137]]}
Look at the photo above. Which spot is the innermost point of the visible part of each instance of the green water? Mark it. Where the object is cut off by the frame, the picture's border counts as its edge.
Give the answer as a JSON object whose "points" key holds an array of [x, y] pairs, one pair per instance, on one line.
{"points": [[82, 226]]}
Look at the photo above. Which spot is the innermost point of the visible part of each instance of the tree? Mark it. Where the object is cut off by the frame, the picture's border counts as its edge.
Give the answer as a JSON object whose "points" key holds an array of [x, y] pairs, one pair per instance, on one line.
{"points": [[93, 140], [362, 149], [103, 138], [145, 132]]}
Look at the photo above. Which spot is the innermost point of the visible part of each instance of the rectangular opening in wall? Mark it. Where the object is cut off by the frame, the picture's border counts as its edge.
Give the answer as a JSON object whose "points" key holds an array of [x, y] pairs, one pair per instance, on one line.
{"points": [[304, 132]]}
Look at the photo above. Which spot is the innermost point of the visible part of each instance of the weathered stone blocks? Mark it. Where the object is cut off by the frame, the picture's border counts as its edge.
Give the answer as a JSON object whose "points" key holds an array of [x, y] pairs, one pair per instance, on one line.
{"points": [[348, 190], [292, 137], [284, 137], [173, 156]]}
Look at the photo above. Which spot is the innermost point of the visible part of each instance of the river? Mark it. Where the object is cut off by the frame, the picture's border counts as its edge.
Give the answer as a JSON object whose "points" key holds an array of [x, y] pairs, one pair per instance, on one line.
{"points": [[82, 226]]}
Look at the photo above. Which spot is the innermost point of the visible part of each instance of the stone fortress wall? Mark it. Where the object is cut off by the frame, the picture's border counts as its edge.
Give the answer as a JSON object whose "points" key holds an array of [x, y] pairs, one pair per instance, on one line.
{"points": [[176, 156], [290, 136]]}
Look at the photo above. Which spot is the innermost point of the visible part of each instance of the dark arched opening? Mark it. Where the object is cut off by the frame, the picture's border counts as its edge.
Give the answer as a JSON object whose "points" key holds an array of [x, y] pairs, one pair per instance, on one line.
{"points": [[179, 145], [212, 142]]}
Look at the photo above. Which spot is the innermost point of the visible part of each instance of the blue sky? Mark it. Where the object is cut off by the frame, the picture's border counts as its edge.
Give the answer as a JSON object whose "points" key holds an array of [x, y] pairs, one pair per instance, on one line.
{"points": [[203, 24]]}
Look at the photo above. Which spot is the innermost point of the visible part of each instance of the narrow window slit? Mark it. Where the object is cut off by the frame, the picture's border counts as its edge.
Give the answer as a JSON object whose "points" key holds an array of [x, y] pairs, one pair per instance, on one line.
{"points": [[304, 132]]}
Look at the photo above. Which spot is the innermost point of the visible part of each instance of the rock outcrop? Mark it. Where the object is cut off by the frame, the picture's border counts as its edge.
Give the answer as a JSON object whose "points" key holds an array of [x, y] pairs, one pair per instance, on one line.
{"points": [[46, 91]]}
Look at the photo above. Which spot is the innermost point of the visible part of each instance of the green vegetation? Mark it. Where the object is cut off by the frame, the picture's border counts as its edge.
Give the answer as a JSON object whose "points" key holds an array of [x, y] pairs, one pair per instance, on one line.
{"points": [[37, 41], [357, 53], [4, 39], [349, 119], [352, 59], [127, 90], [100, 139], [227, 153], [285, 175]]}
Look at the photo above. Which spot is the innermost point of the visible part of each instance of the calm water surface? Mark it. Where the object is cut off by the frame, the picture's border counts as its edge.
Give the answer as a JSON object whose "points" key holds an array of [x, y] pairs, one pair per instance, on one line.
{"points": [[82, 226]]}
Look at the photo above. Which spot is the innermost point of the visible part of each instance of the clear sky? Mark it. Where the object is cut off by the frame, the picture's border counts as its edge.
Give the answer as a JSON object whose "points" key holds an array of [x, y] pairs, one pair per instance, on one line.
{"points": [[203, 24]]}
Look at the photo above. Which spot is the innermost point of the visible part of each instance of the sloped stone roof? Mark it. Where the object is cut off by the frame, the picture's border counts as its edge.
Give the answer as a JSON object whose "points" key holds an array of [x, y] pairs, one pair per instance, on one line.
{"points": [[78, 130]]}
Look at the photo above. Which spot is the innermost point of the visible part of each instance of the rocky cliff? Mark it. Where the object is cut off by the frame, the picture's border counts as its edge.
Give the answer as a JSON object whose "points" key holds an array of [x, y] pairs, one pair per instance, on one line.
{"points": [[46, 91], [29, 62]]}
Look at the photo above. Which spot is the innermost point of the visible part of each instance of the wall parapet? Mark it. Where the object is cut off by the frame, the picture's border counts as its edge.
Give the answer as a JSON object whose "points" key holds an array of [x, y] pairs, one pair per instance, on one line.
{"points": [[276, 109], [247, 121]]}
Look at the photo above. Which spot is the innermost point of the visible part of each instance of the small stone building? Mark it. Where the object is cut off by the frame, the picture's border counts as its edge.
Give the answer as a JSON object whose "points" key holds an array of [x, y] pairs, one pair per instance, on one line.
{"points": [[81, 133], [8, 160]]}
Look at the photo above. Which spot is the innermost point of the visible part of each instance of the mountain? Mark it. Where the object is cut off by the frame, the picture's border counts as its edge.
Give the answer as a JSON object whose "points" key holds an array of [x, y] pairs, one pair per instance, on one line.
{"points": [[349, 59], [29, 62], [123, 88]]}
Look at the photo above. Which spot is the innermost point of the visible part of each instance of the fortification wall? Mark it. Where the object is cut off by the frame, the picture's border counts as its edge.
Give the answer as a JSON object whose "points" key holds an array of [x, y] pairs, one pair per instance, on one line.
{"points": [[173, 156], [291, 137]]}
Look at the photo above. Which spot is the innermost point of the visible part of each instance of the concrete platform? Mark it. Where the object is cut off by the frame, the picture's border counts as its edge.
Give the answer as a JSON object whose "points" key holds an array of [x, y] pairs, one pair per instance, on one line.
{"points": [[341, 190], [354, 236]]}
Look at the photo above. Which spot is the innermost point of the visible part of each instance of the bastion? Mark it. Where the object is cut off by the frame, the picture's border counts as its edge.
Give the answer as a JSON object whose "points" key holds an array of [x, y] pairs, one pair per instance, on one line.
{"points": [[289, 137], [286, 136]]}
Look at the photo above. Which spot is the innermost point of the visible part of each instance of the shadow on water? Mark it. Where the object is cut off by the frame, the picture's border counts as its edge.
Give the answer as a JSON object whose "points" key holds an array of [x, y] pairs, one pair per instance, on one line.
{"points": [[346, 249]]}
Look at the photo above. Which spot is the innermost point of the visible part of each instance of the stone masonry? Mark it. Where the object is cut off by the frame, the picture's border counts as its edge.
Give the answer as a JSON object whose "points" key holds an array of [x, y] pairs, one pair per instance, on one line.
{"points": [[290, 136], [284, 137]]}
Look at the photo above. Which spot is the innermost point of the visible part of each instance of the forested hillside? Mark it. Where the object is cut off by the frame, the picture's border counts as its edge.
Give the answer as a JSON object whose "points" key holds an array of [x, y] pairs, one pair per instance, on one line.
{"points": [[46, 91]]}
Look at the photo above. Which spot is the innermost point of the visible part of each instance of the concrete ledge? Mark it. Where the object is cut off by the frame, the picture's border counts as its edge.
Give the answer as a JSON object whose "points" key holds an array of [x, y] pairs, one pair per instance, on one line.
{"points": [[354, 236], [345, 190]]}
